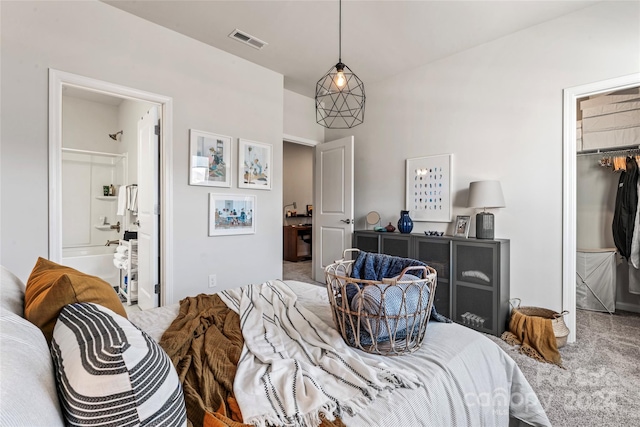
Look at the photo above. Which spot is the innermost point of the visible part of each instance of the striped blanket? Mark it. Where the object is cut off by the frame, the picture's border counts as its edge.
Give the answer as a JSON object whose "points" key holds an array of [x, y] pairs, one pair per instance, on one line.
{"points": [[294, 370]]}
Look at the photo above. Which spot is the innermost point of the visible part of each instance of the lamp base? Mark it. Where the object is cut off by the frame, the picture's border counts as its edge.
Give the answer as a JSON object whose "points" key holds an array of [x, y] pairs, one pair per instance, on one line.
{"points": [[484, 225]]}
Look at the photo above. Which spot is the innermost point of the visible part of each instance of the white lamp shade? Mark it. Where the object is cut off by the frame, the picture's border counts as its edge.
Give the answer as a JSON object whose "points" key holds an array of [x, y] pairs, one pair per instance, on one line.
{"points": [[485, 194]]}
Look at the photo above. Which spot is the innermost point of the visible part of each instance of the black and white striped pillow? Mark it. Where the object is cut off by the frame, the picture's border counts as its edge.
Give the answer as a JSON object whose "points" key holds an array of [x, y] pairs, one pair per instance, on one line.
{"points": [[110, 373]]}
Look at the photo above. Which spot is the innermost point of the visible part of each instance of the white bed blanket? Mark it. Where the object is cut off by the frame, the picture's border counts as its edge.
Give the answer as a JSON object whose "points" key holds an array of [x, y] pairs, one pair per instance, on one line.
{"points": [[467, 379], [295, 369]]}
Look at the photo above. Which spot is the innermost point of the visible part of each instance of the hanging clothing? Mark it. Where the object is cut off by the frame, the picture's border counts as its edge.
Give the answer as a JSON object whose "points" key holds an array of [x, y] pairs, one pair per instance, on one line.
{"points": [[626, 206]]}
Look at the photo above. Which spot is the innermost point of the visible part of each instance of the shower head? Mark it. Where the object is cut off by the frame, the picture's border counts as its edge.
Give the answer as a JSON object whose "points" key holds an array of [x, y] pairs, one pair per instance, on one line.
{"points": [[114, 136]]}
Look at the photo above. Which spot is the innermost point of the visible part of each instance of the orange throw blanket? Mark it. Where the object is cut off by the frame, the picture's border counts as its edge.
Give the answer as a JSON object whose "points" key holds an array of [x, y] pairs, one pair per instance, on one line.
{"points": [[535, 336], [204, 343]]}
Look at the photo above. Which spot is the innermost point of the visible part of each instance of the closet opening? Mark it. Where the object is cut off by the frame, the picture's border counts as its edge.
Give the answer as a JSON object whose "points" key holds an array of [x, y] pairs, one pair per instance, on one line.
{"points": [[607, 227]]}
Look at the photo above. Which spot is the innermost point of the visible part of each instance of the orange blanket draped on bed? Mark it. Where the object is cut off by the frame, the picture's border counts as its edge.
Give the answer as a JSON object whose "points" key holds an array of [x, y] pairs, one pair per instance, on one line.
{"points": [[204, 343]]}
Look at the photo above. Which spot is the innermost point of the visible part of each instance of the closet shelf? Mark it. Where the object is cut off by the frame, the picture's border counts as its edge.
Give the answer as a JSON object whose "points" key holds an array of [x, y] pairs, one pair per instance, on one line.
{"points": [[108, 198]]}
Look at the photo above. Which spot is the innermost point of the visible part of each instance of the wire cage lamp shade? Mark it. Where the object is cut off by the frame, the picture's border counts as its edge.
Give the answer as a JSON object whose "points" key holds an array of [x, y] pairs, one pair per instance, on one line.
{"points": [[340, 94], [340, 107]]}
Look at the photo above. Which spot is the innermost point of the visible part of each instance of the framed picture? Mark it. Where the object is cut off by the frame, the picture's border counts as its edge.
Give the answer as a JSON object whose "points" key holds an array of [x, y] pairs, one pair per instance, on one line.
{"points": [[231, 214], [209, 159], [462, 226], [428, 188], [255, 160]]}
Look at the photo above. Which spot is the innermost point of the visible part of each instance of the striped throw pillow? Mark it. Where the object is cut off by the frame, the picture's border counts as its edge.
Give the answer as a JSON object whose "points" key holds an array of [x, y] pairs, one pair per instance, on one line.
{"points": [[110, 373]]}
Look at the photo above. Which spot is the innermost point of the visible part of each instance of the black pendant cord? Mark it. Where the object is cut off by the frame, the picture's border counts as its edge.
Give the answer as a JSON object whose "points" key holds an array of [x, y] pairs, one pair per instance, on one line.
{"points": [[340, 33]]}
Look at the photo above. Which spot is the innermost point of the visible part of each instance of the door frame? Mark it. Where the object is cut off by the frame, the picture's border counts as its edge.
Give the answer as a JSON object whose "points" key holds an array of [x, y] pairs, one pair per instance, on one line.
{"points": [[311, 143], [58, 79], [569, 186]]}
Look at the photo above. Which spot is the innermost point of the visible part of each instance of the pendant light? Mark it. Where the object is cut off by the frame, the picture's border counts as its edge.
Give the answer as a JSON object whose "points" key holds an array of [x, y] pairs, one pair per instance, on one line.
{"points": [[340, 94]]}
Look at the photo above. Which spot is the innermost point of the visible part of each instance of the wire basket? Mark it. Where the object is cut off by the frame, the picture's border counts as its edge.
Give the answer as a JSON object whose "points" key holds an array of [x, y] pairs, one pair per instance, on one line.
{"points": [[387, 317], [560, 329]]}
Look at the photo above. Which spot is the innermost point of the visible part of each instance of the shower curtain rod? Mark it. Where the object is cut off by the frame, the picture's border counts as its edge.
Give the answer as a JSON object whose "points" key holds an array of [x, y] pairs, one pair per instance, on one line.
{"points": [[95, 153], [608, 151]]}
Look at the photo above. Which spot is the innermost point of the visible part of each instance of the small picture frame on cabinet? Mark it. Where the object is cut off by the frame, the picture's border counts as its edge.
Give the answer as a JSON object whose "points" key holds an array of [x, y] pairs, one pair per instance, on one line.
{"points": [[462, 226]]}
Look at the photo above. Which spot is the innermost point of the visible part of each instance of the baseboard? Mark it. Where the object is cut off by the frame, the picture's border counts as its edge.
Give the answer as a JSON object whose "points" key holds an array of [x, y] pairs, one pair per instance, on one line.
{"points": [[628, 307]]}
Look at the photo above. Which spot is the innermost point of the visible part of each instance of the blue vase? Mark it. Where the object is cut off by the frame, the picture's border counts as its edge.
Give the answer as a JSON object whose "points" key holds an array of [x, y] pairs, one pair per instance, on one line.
{"points": [[405, 223]]}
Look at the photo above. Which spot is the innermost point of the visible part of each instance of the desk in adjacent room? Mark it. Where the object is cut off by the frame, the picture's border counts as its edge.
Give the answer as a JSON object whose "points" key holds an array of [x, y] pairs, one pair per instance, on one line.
{"points": [[297, 242]]}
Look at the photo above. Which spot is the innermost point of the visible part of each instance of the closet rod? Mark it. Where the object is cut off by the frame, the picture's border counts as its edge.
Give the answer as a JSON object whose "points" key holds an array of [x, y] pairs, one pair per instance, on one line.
{"points": [[616, 150]]}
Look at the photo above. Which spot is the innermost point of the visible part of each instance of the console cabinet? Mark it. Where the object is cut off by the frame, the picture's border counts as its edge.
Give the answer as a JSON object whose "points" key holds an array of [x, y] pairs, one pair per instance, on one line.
{"points": [[473, 274]]}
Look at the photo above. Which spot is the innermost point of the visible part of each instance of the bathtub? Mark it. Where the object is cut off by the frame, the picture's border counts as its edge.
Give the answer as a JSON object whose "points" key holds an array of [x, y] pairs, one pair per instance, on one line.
{"points": [[94, 260]]}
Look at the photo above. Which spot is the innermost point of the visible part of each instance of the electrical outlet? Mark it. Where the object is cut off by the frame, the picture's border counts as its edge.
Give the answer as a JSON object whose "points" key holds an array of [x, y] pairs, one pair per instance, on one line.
{"points": [[212, 281]]}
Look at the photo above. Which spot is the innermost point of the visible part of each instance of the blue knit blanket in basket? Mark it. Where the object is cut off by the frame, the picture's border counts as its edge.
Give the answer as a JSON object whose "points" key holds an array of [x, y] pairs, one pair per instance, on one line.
{"points": [[372, 266]]}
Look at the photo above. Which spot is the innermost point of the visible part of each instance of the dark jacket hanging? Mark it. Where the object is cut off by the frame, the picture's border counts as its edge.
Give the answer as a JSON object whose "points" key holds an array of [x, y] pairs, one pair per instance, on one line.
{"points": [[625, 211]]}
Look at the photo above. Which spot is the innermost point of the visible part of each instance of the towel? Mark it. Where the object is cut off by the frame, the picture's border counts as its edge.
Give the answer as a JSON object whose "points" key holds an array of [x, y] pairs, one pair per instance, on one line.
{"points": [[122, 265], [294, 369], [132, 198], [122, 200], [535, 336], [123, 250]]}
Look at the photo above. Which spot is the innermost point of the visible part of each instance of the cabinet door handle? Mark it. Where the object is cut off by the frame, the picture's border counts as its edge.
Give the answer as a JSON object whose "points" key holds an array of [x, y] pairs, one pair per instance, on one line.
{"points": [[346, 221]]}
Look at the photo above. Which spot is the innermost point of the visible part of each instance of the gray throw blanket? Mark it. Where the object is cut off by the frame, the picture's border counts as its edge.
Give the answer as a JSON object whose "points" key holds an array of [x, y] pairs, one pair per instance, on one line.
{"points": [[372, 266]]}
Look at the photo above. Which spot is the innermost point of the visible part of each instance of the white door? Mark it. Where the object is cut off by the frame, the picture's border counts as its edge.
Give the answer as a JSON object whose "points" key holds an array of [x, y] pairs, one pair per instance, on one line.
{"points": [[148, 209], [333, 205]]}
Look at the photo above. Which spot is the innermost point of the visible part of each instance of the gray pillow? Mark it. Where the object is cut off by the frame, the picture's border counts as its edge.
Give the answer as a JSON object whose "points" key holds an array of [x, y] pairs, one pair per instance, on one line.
{"points": [[12, 292], [28, 384]]}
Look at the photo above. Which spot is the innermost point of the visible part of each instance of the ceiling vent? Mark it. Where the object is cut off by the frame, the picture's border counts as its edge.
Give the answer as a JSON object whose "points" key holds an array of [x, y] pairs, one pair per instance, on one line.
{"points": [[247, 39]]}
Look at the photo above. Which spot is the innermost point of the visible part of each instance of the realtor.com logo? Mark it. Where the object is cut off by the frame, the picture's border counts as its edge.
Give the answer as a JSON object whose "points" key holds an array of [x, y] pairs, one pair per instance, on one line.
{"points": [[577, 389]]}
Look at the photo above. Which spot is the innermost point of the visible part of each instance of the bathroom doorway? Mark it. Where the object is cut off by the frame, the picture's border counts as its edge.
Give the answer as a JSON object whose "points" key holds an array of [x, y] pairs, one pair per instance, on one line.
{"points": [[95, 169]]}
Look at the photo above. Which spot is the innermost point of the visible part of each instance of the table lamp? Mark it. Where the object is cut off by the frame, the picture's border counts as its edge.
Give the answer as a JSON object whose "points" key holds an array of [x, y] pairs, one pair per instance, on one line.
{"points": [[485, 195]]}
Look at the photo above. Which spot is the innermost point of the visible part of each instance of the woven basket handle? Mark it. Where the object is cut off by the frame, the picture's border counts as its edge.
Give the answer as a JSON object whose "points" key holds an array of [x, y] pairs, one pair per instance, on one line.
{"points": [[559, 315], [512, 300], [422, 268], [344, 254]]}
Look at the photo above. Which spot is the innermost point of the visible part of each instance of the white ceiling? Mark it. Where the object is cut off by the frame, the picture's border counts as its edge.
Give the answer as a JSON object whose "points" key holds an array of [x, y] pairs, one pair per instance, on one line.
{"points": [[379, 38]]}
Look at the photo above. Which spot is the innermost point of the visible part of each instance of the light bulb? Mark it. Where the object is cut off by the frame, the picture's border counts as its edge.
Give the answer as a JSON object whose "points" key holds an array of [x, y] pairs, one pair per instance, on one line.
{"points": [[340, 80]]}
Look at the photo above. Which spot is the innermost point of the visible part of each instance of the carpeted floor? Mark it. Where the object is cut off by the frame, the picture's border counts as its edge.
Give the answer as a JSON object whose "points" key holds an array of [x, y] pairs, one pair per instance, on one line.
{"points": [[601, 383], [300, 271]]}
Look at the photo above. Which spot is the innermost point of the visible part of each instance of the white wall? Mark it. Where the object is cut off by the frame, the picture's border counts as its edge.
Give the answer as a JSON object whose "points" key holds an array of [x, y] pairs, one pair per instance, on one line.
{"points": [[498, 109], [86, 125], [211, 91], [299, 117]]}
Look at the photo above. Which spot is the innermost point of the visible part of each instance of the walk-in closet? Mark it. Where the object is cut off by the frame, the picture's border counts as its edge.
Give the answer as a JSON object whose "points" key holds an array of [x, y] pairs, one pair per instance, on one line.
{"points": [[608, 230]]}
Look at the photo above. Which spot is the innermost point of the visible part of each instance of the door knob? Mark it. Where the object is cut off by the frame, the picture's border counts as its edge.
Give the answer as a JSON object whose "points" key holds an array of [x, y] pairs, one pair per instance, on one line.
{"points": [[346, 221]]}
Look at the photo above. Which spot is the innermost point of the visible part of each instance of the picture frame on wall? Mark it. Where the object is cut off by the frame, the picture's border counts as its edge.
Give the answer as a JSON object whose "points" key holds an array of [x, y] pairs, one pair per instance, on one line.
{"points": [[231, 214], [209, 159], [255, 160], [462, 226], [428, 188]]}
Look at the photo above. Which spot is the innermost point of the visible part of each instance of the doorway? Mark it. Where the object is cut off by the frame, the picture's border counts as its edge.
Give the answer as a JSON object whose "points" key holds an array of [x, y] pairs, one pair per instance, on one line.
{"points": [[297, 210], [569, 199], [109, 163]]}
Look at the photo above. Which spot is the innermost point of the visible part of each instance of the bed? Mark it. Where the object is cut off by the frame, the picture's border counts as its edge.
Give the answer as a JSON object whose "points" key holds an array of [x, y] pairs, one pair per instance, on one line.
{"points": [[464, 378]]}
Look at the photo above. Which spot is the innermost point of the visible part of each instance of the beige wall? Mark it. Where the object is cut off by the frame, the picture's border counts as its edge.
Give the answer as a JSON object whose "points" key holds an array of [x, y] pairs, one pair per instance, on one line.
{"points": [[211, 91], [498, 109]]}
